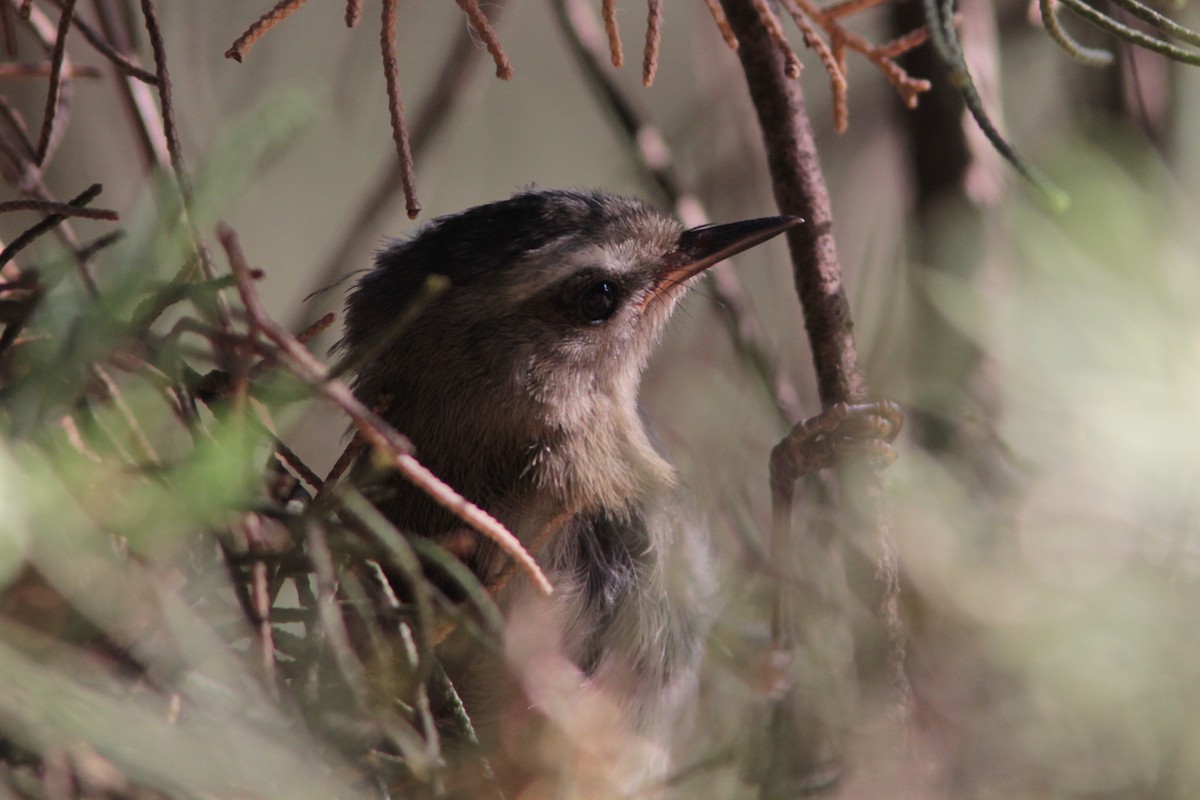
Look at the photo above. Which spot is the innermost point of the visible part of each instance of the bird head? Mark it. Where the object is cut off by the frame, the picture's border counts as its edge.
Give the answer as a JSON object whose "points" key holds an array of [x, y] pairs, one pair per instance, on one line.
{"points": [[556, 300]]}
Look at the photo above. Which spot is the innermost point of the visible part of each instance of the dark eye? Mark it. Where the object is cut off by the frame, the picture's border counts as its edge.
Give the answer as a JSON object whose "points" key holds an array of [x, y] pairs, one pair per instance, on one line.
{"points": [[598, 301]]}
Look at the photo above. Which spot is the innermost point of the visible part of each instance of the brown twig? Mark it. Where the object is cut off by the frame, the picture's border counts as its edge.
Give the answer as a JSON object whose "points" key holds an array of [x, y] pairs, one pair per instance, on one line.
{"points": [[62, 209], [654, 19], [608, 9], [807, 16], [316, 329], [376, 431], [122, 62], [296, 464], [353, 13], [460, 65], [481, 26], [15, 123], [718, 15], [22, 241], [52, 93], [48, 34], [387, 42], [99, 243], [770, 23], [8, 25], [799, 189], [834, 67], [260, 26]]}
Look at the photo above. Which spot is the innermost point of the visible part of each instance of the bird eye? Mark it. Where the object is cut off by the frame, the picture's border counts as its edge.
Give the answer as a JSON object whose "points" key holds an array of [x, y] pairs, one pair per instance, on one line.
{"points": [[598, 301]]}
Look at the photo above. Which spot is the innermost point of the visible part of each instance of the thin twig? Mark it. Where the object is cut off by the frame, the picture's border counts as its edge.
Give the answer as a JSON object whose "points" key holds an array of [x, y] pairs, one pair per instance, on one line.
{"points": [[15, 123], [353, 13], [145, 450], [833, 67], [10, 30], [382, 436], [718, 15], [62, 209], [774, 29], [122, 62], [52, 93], [654, 19], [460, 65], [99, 243], [296, 464], [1135, 37], [800, 189], [608, 9], [22, 241], [1088, 56], [387, 42], [316, 329], [260, 26], [481, 26]]}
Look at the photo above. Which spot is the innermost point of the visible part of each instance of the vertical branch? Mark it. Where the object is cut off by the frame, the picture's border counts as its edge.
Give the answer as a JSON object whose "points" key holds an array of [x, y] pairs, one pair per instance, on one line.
{"points": [[800, 190], [872, 569]]}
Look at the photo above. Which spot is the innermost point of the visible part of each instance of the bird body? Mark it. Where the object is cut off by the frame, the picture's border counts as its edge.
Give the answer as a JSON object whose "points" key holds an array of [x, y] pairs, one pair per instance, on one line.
{"points": [[519, 387]]}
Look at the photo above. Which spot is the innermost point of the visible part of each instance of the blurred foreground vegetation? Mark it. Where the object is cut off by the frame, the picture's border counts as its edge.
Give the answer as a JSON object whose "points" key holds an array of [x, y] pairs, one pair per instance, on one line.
{"points": [[184, 614]]}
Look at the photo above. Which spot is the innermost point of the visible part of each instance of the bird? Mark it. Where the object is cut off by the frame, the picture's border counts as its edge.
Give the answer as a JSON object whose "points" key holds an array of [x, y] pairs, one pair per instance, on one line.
{"points": [[518, 386]]}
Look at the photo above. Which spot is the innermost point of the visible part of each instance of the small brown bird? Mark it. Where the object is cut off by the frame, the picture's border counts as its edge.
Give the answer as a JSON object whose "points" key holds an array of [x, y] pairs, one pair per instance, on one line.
{"points": [[519, 387]]}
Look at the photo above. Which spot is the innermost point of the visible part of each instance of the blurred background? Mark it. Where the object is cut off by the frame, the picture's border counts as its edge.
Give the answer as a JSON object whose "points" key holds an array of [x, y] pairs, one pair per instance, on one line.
{"points": [[1046, 502]]}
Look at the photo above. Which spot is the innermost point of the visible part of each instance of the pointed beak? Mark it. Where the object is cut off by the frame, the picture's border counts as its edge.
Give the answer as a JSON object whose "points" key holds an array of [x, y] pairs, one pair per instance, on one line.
{"points": [[702, 247]]}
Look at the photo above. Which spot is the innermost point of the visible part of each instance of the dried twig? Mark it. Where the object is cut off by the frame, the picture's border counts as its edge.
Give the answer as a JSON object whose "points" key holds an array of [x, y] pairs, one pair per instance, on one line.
{"points": [[382, 436], [481, 26], [121, 61], [800, 190], [62, 209], [52, 93], [718, 15], [260, 26], [387, 41], [316, 329], [22, 241], [458, 68], [654, 18], [608, 10], [770, 23], [9, 28], [808, 16], [353, 13]]}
